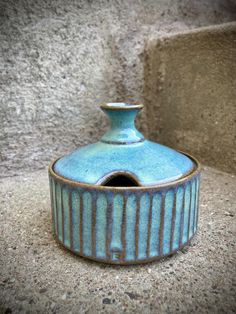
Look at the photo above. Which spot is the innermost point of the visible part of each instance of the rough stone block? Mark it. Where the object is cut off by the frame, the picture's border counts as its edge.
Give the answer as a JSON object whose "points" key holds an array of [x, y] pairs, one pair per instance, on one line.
{"points": [[190, 93]]}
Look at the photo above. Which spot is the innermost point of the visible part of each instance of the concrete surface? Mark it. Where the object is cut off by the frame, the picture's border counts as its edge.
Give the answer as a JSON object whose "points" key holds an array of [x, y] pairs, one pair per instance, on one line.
{"points": [[59, 59], [191, 95], [38, 276]]}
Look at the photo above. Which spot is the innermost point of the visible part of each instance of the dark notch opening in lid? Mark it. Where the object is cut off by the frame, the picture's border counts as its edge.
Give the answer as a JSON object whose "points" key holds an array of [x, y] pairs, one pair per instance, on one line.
{"points": [[119, 179]]}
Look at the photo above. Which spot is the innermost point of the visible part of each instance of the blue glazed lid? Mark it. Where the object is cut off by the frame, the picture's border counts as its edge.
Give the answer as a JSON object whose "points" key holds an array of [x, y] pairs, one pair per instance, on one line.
{"points": [[123, 157]]}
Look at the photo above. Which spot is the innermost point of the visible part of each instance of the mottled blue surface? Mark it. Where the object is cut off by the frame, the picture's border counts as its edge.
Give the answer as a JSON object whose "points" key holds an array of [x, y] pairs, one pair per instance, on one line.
{"points": [[75, 212], [155, 218], [125, 227], [117, 217], [130, 227], [179, 205], [150, 163], [101, 225], [169, 205], [87, 224]]}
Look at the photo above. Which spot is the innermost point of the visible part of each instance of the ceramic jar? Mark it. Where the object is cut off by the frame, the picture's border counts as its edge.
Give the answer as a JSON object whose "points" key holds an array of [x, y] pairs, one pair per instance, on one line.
{"points": [[124, 199]]}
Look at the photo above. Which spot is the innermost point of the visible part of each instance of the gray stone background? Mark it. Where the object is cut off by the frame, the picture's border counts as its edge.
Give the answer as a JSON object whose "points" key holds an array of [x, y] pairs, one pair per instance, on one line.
{"points": [[60, 59]]}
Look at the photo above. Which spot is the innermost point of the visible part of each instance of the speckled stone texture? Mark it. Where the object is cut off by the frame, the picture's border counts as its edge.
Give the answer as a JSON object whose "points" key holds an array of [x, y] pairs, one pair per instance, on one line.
{"points": [[37, 275], [59, 59], [190, 90]]}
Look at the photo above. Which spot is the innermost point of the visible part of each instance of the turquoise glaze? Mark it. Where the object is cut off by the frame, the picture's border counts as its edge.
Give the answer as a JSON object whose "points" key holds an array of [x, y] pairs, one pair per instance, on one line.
{"points": [[154, 216], [124, 149], [125, 226]]}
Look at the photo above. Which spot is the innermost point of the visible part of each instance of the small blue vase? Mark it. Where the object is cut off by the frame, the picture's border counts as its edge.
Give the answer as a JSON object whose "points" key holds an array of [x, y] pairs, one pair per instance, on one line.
{"points": [[124, 199]]}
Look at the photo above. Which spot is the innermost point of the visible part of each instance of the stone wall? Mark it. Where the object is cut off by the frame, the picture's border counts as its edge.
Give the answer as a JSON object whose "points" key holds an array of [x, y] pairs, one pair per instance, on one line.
{"points": [[60, 59]]}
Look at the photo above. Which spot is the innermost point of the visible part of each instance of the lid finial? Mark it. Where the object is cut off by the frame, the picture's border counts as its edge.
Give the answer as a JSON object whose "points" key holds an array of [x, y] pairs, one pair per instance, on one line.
{"points": [[122, 123]]}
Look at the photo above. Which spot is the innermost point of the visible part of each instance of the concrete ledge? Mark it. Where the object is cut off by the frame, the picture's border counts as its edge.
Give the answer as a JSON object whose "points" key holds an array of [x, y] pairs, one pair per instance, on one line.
{"points": [[36, 275]]}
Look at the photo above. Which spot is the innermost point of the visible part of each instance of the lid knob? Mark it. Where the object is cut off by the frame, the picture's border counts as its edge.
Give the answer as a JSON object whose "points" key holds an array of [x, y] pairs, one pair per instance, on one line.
{"points": [[122, 123]]}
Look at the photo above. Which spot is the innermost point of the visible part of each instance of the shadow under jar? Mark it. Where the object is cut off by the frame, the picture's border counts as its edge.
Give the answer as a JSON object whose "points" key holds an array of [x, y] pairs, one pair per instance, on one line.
{"points": [[124, 199]]}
